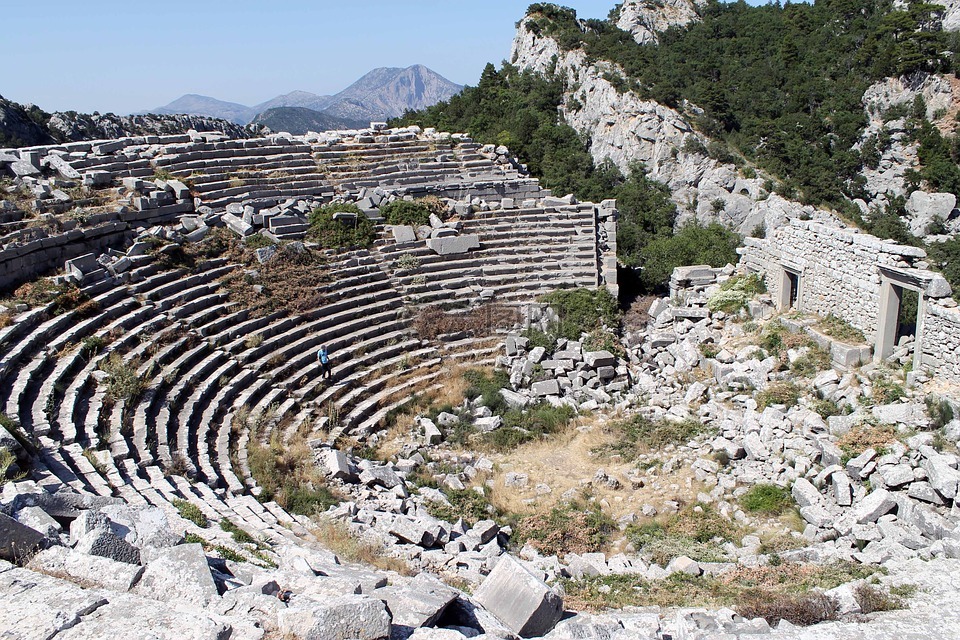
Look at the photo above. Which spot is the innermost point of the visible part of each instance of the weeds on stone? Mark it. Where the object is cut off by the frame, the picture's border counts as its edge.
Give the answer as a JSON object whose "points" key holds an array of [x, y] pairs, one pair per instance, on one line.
{"points": [[815, 360], [886, 390], [239, 535], [785, 393], [338, 539], [123, 382], [191, 512], [229, 554], [803, 609], [286, 473], [939, 410], [865, 436], [767, 499], [482, 321], [464, 503], [567, 528], [871, 599], [639, 434], [841, 330], [696, 532]]}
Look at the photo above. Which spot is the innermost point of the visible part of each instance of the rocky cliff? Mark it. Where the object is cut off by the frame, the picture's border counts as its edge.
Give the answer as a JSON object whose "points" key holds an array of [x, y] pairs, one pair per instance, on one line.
{"points": [[627, 129], [646, 19]]}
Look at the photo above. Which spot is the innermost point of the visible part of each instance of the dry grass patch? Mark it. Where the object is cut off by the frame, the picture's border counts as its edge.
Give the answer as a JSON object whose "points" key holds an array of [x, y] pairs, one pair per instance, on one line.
{"points": [[866, 436], [336, 537], [482, 321]]}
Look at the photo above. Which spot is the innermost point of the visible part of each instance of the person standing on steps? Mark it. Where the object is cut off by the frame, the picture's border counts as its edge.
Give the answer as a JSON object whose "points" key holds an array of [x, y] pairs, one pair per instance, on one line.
{"points": [[324, 357]]}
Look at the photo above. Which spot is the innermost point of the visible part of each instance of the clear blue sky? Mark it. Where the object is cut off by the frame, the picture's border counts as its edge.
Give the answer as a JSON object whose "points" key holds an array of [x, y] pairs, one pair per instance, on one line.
{"points": [[131, 55]]}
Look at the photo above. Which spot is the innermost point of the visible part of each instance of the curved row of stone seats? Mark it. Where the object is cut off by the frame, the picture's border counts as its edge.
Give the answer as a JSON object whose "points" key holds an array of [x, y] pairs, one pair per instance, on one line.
{"points": [[522, 253], [233, 171]]}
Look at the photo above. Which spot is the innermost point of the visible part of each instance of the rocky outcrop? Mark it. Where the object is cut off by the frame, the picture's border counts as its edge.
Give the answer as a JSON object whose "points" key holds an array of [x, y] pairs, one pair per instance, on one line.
{"points": [[645, 19], [627, 129], [28, 126]]}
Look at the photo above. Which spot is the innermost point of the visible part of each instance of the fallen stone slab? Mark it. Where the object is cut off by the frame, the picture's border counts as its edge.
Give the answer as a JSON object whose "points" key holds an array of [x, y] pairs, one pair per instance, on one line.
{"points": [[597, 359], [336, 465], [180, 574], [127, 616], [39, 606], [355, 617], [18, 541], [877, 503], [420, 603], [546, 388], [418, 532], [520, 599], [454, 245], [86, 570]]}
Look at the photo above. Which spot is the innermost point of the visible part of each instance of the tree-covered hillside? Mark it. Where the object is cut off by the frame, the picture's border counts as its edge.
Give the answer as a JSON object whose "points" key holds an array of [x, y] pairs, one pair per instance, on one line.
{"points": [[780, 83]]}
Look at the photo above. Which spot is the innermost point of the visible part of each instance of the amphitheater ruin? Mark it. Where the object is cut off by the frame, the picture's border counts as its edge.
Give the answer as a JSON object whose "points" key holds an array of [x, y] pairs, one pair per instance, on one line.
{"points": [[113, 218]]}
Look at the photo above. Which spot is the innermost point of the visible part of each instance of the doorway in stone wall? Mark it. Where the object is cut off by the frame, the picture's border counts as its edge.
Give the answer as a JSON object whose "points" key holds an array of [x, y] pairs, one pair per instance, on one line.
{"points": [[900, 313], [789, 289]]}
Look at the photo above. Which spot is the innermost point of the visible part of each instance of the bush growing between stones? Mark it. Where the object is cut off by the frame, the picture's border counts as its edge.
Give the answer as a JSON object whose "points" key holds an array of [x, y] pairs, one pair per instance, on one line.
{"points": [[123, 383], [886, 390], [866, 436], [239, 535], [871, 599], [735, 293], [696, 531], [803, 610], [464, 503], [838, 328], [939, 410], [815, 360], [785, 393], [286, 473], [336, 234], [566, 528], [767, 499], [404, 212], [582, 311], [191, 512], [532, 423]]}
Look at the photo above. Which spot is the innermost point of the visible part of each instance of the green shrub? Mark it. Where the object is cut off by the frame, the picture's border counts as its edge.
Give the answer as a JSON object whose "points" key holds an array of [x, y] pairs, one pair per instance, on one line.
{"points": [[767, 499], [539, 338], [229, 554], [838, 328], [488, 386], [583, 311], [123, 382], [525, 425], [714, 245], [815, 360], [308, 501], [191, 512], [886, 390], [825, 408], [697, 532], [238, 534], [735, 292], [404, 212], [329, 233], [939, 410]]}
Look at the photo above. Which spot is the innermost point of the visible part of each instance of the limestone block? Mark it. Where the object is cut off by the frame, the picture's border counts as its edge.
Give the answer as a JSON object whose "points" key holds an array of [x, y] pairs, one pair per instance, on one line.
{"points": [[86, 570], [419, 532], [336, 465], [380, 475], [420, 603], [141, 526], [39, 606], [102, 542], [403, 233], [17, 540], [127, 616], [546, 388], [941, 476], [452, 246], [805, 493], [597, 359], [877, 503], [38, 519], [179, 574], [683, 564], [514, 399], [237, 225], [351, 616], [520, 599]]}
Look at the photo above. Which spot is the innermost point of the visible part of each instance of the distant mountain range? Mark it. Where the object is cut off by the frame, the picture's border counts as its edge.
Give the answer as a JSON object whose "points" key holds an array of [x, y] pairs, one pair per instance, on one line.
{"points": [[381, 94]]}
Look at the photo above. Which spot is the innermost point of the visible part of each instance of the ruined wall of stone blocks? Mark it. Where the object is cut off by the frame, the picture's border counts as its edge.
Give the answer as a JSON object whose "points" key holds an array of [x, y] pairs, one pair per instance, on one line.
{"points": [[838, 268], [940, 351]]}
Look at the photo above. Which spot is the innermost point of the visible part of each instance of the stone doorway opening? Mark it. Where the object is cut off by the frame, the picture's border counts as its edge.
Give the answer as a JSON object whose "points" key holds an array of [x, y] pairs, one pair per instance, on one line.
{"points": [[901, 313], [789, 289]]}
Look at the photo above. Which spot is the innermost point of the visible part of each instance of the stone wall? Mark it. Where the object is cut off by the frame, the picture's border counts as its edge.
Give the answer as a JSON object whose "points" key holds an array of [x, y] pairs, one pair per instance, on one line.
{"points": [[940, 348], [843, 272], [838, 268]]}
